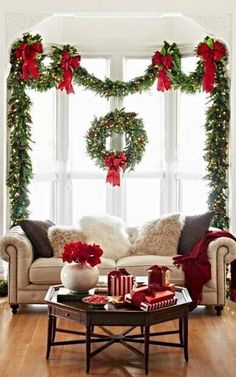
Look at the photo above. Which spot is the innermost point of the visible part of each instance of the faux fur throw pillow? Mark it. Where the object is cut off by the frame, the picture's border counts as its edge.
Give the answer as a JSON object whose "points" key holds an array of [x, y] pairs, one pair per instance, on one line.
{"points": [[159, 237], [59, 236], [108, 232]]}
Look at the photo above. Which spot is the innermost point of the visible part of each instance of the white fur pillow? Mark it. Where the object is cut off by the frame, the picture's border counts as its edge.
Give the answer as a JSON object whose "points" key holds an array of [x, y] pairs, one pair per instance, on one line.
{"points": [[159, 237], [108, 232], [59, 236]]}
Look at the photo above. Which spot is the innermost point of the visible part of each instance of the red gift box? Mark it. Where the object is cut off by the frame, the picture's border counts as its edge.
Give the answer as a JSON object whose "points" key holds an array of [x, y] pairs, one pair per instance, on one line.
{"points": [[120, 282], [150, 307], [159, 296], [158, 275]]}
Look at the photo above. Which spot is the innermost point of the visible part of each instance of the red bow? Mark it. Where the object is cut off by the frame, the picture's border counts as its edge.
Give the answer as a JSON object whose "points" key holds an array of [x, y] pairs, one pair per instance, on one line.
{"points": [[28, 54], [210, 55], [115, 163], [164, 62], [68, 63]]}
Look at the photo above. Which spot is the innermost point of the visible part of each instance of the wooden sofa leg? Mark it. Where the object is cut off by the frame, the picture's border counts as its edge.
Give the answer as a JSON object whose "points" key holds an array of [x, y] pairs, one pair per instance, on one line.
{"points": [[219, 309], [14, 308]]}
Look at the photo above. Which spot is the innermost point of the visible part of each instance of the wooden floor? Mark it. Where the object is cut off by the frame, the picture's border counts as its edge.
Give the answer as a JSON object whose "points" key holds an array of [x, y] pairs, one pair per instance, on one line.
{"points": [[212, 349]]}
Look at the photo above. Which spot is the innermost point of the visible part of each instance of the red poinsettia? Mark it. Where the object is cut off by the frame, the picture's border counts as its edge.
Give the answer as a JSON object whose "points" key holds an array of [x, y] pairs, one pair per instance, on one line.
{"points": [[81, 252]]}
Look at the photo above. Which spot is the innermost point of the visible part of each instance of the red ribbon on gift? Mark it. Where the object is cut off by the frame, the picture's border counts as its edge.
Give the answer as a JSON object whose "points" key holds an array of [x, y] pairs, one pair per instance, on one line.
{"points": [[210, 55], [164, 62], [114, 162], [28, 53], [68, 64]]}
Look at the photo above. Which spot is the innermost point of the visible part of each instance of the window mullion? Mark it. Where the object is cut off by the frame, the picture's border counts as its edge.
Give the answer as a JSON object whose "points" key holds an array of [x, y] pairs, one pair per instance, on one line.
{"points": [[170, 140], [63, 190], [114, 194]]}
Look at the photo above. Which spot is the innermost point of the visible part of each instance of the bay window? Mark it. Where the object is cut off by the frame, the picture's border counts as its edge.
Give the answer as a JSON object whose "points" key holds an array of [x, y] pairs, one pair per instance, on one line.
{"points": [[169, 177]]}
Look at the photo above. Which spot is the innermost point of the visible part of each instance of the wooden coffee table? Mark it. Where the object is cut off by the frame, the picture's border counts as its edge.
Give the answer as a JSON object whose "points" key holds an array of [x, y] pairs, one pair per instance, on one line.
{"points": [[111, 315]]}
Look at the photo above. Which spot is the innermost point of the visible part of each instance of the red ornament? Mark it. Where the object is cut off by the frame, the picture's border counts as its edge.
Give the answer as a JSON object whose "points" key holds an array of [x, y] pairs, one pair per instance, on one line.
{"points": [[68, 64], [28, 53], [81, 252], [114, 162], [210, 55], [164, 62]]}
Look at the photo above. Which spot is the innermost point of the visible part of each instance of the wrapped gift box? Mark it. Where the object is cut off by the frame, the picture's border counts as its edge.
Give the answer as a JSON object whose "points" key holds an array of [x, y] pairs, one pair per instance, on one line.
{"points": [[159, 296], [120, 282], [150, 307], [158, 275]]}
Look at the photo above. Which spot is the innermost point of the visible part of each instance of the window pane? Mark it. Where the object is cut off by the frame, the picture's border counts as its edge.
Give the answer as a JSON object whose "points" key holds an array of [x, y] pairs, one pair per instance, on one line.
{"points": [[190, 130], [193, 195], [88, 198], [150, 107], [83, 106], [41, 201], [43, 112], [142, 200]]}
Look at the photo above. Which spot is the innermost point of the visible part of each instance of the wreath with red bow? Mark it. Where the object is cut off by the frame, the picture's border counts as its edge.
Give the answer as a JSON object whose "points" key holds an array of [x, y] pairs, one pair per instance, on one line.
{"points": [[115, 161]]}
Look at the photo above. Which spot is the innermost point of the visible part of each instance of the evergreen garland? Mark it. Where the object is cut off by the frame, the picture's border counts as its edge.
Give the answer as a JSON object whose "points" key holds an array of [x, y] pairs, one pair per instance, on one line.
{"points": [[19, 120]]}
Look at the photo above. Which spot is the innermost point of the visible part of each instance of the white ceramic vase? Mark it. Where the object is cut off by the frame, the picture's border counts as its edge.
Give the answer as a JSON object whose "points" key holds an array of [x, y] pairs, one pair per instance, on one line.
{"points": [[79, 277]]}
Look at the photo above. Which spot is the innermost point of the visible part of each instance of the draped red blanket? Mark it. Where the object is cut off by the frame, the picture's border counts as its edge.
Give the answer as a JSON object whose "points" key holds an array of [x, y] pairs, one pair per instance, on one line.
{"points": [[197, 268]]}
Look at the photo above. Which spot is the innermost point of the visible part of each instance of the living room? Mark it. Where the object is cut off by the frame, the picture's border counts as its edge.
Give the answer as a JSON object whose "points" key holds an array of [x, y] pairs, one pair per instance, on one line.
{"points": [[118, 130]]}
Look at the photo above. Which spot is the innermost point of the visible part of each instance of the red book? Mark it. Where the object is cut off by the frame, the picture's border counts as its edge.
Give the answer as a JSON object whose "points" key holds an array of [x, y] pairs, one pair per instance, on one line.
{"points": [[159, 296]]}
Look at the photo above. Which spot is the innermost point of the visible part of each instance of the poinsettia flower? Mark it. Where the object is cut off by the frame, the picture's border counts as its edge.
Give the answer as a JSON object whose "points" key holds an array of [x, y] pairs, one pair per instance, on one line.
{"points": [[81, 252]]}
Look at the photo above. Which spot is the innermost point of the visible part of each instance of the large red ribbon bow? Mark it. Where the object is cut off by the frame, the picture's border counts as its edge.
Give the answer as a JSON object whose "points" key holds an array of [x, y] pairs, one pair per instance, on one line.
{"points": [[114, 162], [28, 54], [210, 55], [164, 62], [68, 64]]}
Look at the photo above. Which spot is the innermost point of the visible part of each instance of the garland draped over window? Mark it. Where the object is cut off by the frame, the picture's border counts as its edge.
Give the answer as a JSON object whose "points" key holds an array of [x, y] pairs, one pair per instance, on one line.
{"points": [[29, 71]]}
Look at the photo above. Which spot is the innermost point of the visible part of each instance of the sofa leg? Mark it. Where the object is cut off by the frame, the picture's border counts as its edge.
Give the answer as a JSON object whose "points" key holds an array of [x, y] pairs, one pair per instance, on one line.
{"points": [[219, 309], [14, 308]]}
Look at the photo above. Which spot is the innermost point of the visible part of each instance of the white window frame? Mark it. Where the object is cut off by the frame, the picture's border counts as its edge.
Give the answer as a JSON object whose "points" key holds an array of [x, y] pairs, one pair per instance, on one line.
{"points": [[171, 179]]}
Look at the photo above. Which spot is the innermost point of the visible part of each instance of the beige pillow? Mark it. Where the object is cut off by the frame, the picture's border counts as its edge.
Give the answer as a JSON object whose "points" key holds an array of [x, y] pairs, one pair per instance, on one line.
{"points": [[159, 237], [59, 236]]}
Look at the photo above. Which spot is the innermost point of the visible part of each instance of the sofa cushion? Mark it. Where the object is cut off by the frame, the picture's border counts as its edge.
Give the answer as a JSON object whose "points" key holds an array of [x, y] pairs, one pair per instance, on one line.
{"points": [[37, 233], [47, 270], [194, 229], [108, 232], [59, 236], [159, 237]]}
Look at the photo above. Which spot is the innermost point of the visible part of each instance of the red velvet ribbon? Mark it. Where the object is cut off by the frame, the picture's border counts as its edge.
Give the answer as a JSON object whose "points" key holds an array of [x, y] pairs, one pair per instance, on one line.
{"points": [[155, 274], [68, 64], [28, 54], [164, 62], [210, 56], [114, 162], [150, 290]]}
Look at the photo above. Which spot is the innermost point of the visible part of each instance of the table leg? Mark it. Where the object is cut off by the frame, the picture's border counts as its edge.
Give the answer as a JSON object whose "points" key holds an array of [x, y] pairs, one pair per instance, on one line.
{"points": [[181, 331], [49, 340], [146, 347], [88, 348], [54, 324], [186, 338]]}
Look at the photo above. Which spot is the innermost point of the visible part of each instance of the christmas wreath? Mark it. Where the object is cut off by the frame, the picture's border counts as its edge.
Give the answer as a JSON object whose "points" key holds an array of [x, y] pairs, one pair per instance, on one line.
{"points": [[116, 122]]}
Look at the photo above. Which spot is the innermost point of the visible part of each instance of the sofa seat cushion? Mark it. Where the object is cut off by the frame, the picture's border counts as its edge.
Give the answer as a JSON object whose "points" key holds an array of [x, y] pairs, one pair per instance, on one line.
{"points": [[139, 264], [47, 270]]}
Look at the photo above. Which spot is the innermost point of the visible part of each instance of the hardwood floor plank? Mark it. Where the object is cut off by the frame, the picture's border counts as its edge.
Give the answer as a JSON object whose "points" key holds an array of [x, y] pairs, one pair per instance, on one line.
{"points": [[212, 348]]}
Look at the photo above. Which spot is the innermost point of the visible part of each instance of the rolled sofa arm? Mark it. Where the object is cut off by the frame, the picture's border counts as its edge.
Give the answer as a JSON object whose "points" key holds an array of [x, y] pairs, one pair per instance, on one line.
{"points": [[224, 247], [16, 249]]}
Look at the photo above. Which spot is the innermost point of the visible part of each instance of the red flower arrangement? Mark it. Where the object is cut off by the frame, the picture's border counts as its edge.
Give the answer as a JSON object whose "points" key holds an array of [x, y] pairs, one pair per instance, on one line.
{"points": [[81, 252]]}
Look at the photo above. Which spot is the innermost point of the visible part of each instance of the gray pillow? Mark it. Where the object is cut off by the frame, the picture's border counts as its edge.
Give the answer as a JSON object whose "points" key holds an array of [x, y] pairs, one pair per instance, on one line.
{"points": [[37, 232], [194, 229]]}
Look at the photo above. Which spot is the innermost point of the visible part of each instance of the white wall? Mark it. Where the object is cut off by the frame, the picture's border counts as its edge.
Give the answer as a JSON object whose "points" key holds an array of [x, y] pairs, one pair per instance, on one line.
{"points": [[19, 16]]}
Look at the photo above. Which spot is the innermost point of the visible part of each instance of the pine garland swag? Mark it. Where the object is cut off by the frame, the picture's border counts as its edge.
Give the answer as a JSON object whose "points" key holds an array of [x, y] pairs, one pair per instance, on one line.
{"points": [[217, 127]]}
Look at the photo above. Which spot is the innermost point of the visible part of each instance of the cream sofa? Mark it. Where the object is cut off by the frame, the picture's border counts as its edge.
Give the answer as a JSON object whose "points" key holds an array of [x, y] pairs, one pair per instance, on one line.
{"points": [[30, 278]]}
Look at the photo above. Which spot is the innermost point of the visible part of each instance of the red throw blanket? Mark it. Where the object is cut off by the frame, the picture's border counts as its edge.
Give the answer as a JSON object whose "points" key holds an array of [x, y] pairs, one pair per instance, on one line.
{"points": [[197, 268]]}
